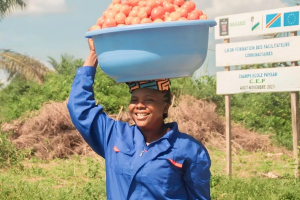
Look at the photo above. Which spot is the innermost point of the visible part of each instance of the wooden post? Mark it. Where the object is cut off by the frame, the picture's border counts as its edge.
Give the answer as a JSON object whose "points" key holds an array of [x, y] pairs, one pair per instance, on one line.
{"points": [[295, 123], [228, 126]]}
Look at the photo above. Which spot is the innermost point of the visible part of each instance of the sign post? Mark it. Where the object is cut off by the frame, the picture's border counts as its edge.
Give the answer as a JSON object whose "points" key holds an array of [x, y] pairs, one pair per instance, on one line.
{"points": [[228, 126], [281, 79], [295, 123]]}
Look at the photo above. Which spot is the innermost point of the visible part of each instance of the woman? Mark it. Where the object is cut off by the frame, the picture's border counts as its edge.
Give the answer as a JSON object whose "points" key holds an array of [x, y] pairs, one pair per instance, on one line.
{"points": [[149, 160]]}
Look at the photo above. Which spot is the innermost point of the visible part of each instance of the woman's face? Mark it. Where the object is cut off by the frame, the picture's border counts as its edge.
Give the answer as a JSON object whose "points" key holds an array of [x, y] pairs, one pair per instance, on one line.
{"points": [[147, 107]]}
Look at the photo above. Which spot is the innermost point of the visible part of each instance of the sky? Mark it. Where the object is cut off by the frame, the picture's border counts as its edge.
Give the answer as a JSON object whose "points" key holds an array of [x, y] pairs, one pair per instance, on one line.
{"points": [[56, 27]]}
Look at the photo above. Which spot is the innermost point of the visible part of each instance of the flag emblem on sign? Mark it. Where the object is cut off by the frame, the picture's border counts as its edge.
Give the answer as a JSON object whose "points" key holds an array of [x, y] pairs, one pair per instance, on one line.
{"points": [[273, 20], [291, 18]]}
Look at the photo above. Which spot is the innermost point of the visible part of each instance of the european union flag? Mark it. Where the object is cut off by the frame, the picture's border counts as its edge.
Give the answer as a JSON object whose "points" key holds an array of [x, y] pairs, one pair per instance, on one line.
{"points": [[291, 18], [273, 20]]}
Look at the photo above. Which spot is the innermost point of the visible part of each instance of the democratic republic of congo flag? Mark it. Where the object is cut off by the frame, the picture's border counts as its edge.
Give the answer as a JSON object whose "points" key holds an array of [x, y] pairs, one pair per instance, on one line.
{"points": [[273, 20]]}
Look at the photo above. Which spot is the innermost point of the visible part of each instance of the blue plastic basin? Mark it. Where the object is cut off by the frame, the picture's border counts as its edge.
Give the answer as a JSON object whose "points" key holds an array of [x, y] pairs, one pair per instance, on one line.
{"points": [[152, 51]]}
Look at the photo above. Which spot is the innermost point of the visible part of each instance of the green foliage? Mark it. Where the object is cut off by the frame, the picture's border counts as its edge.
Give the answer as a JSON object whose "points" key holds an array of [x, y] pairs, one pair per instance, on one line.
{"points": [[68, 64], [109, 94], [21, 96], [265, 113], [22, 65], [9, 154]]}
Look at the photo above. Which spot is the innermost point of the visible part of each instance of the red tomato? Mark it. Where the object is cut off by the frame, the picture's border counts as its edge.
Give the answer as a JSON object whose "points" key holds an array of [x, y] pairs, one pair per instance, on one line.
{"points": [[189, 5], [95, 27], [158, 20], [146, 21], [104, 26], [134, 13], [147, 9], [100, 21], [116, 7], [193, 15], [133, 2], [183, 12], [110, 6], [104, 13], [126, 2], [111, 14], [169, 1], [125, 9], [142, 3], [182, 19], [128, 20], [142, 14], [110, 22], [175, 16], [204, 16], [168, 19], [151, 3], [120, 25], [120, 18], [157, 13], [176, 7], [136, 8], [116, 1], [178, 2], [167, 14], [159, 3], [200, 12], [168, 7], [136, 20]]}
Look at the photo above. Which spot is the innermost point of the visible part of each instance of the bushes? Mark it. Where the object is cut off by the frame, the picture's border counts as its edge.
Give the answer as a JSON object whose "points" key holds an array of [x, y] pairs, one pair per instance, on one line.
{"points": [[265, 113], [10, 156]]}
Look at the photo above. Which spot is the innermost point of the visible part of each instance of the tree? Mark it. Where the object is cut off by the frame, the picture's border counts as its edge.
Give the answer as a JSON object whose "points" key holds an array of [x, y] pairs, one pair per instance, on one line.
{"points": [[28, 68], [7, 6], [15, 63], [68, 64]]}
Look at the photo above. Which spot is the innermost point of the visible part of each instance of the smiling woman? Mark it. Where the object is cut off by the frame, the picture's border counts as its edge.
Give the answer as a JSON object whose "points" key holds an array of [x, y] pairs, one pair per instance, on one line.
{"points": [[148, 160]]}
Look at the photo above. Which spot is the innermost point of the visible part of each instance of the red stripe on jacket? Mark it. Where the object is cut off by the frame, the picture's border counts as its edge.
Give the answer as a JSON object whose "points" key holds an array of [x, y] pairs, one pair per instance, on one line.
{"points": [[116, 149], [175, 163]]}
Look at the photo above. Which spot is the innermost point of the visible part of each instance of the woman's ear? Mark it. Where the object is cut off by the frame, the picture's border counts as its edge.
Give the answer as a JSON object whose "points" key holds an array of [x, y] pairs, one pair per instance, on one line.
{"points": [[166, 109]]}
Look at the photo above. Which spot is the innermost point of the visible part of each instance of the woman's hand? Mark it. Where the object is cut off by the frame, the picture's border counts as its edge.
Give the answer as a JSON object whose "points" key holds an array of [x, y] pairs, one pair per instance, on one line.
{"points": [[92, 57], [91, 43]]}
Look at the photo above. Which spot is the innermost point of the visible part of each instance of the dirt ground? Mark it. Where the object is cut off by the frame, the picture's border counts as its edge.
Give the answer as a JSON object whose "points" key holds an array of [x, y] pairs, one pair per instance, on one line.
{"points": [[51, 133]]}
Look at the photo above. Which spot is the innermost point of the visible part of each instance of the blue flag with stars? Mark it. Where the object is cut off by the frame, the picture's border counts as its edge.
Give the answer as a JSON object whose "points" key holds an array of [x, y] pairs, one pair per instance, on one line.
{"points": [[291, 18]]}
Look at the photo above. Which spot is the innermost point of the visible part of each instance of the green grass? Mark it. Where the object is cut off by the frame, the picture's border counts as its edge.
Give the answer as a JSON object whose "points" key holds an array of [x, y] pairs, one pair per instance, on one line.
{"points": [[76, 178], [84, 178]]}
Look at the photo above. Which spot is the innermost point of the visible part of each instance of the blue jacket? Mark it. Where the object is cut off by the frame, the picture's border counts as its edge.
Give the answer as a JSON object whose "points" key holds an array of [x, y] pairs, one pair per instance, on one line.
{"points": [[174, 167]]}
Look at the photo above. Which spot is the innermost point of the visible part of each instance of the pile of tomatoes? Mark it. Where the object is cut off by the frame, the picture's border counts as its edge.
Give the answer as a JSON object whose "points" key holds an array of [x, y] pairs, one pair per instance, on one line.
{"points": [[129, 12]]}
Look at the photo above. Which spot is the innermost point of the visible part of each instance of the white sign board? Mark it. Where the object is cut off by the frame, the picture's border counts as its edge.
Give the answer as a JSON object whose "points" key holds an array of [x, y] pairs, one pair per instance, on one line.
{"points": [[258, 51], [280, 79], [258, 23]]}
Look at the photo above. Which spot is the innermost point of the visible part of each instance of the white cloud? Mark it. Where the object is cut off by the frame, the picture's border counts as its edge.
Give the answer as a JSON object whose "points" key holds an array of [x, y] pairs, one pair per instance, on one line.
{"points": [[40, 7]]}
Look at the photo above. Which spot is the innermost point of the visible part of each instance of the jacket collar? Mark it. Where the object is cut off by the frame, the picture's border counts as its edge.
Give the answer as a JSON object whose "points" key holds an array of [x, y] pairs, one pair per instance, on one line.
{"points": [[170, 136], [127, 142]]}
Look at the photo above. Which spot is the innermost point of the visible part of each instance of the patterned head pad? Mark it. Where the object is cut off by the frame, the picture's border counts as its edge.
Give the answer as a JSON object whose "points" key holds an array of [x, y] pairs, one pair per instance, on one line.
{"points": [[158, 84]]}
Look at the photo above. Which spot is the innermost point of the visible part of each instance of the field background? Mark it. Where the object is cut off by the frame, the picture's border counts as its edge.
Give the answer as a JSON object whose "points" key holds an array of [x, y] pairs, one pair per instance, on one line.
{"points": [[42, 155]]}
